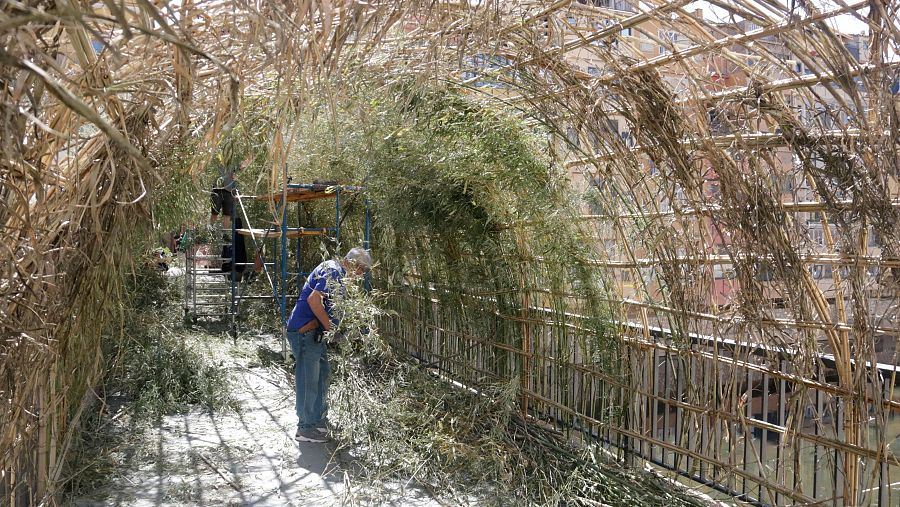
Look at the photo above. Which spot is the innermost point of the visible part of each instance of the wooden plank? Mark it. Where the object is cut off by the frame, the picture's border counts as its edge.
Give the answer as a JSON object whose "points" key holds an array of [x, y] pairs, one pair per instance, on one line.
{"points": [[305, 194], [276, 233]]}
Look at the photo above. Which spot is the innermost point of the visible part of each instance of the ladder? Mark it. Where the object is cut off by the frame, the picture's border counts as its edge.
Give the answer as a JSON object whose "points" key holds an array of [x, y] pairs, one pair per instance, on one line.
{"points": [[209, 292]]}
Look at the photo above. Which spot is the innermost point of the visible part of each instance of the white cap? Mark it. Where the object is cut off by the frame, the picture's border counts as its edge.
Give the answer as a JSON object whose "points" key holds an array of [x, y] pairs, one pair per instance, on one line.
{"points": [[360, 257]]}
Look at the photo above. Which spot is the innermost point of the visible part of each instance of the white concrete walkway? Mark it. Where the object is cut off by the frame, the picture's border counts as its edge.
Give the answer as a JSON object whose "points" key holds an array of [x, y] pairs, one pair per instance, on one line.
{"points": [[248, 457]]}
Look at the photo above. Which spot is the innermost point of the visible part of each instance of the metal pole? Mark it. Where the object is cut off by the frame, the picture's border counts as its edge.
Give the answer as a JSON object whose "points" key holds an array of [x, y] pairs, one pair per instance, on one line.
{"points": [[337, 220], [187, 276], [283, 254], [300, 279], [194, 281], [285, 182], [233, 307], [366, 242]]}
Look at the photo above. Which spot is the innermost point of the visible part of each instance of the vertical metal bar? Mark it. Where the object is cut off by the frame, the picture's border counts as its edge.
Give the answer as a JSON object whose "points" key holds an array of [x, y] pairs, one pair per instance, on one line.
{"points": [[337, 219], [839, 457], [194, 283], [719, 428], [300, 278], [282, 282], [748, 412], [654, 408], [233, 307], [282, 252], [631, 421], [665, 432], [764, 434], [526, 347], [679, 412], [651, 407], [781, 476], [282, 300], [705, 379], [820, 408], [187, 275], [688, 417], [368, 223], [883, 484], [733, 426]]}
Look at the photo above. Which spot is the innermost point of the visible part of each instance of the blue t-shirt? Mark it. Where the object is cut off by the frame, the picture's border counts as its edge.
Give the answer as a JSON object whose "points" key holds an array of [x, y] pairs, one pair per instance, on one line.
{"points": [[326, 277]]}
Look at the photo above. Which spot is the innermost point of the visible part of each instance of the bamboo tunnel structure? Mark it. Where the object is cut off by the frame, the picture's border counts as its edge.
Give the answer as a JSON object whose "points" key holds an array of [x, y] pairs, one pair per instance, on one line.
{"points": [[741, 162]]}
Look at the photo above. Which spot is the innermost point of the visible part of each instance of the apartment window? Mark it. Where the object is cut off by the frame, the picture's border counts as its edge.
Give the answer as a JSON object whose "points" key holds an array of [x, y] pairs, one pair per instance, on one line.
{"points": [[670, 36], [626, 32], [764, 272], [597, 3], [723, 271], [600, 25], [874, 241], [817, 235], [827, 271]]}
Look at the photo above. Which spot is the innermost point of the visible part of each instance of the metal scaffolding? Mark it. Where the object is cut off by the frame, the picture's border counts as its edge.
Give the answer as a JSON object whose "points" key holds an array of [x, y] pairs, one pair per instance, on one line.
{"points": [[207, 288]]}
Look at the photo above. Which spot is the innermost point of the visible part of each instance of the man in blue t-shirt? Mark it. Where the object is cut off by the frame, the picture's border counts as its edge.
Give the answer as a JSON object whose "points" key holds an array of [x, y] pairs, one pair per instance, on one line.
{"points": [[312, 317]]}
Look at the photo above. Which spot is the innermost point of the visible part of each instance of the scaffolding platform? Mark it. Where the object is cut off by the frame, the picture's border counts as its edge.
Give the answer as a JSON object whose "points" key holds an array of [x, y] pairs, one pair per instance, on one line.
{"points": [[291, 233], [208, 287], [308, 192]]}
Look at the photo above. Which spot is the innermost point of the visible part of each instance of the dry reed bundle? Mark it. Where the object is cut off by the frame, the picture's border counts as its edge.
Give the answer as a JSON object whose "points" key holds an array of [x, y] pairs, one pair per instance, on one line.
{"points": [[94, 99], [718, 175]]}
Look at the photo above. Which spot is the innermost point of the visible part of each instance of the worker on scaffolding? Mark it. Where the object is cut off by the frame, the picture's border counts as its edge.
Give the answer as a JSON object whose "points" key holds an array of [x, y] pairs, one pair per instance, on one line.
{"points": [[222, 195], [312, 317]]}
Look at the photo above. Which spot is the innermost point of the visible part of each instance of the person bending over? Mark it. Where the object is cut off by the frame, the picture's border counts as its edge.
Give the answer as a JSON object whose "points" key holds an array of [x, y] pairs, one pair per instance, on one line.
{"points": [[312, 316]]}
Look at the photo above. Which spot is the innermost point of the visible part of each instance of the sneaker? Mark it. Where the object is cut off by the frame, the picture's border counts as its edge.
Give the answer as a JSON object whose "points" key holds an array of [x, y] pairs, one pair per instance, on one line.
{"points": [[310, 435]]}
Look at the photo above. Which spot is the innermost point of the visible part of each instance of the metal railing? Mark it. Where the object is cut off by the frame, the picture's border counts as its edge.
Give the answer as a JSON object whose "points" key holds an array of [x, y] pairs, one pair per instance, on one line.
{"points": [[739, 418]]}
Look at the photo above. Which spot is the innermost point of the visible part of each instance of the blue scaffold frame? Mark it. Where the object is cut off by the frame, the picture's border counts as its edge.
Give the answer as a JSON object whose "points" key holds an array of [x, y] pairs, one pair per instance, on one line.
{"points": [[281, 243]]}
